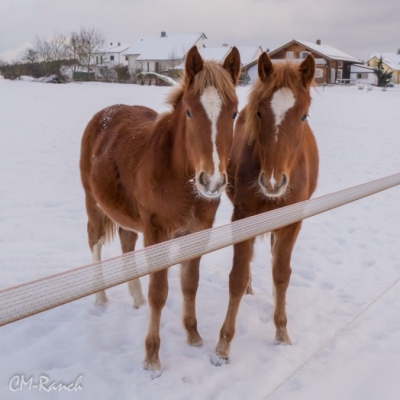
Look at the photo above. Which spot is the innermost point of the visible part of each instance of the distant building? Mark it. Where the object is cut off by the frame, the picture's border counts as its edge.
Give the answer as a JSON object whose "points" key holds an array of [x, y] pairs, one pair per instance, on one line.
{"points": [[332, 65], [248, 55], [160, 53], [363, 74], [114, 54], [391, 63]]}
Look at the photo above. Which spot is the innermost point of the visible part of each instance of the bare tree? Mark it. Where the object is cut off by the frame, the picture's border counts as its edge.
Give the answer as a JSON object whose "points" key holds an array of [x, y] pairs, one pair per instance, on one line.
{"points": [[90, 44], [58, 47], [73, 49], [51, 52], [30, 57]]}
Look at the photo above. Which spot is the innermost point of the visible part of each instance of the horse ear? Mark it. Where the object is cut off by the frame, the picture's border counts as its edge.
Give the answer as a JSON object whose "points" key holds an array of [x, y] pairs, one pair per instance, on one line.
{"points": [[265, 67], [233, 65], [307, 70], [193, 64]]}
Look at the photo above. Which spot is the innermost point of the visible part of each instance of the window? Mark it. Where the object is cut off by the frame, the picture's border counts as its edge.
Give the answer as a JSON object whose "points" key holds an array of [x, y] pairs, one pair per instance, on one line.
{"points": [[126, 58], [304, 54], [112, 58], [319, 73], [362, 75], [290, 54], [340, 64], [339, 74]]}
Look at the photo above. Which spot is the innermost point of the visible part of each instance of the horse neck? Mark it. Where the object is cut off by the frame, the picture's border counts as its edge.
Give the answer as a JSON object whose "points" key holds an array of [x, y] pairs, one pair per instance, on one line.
{"points": [[171, 139]]}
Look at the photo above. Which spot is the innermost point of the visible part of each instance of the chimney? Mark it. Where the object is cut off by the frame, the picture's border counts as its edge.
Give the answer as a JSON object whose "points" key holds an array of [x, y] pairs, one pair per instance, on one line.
{"points": [[163, 34], [110, 43], [119, 43], [318, 41], [398, 51]]}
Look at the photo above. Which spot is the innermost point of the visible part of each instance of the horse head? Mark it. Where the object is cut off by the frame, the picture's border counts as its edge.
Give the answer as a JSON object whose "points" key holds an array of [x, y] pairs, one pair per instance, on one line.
{"points": [[278, 111], [209, 104]]}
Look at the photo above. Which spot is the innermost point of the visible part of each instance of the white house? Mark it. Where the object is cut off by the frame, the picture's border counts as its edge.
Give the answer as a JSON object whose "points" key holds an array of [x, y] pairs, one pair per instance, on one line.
{"points": [[160, 53], [114, 54], [363, 74], [248, 55]]}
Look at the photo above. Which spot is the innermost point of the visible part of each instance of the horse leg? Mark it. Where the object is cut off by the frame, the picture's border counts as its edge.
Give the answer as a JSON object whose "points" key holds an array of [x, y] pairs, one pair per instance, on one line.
{"points": [[128, 241], [96, 235], [238, 281], [189, 285], [283, 242], [158, 292]]}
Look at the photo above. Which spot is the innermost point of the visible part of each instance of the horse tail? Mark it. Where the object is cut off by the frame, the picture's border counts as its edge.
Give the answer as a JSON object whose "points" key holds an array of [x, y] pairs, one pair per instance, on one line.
{"points": [[110, 228]]}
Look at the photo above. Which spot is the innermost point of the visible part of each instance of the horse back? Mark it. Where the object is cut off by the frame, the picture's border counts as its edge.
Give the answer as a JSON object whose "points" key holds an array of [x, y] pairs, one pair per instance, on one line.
{"points": [[114, 128]]}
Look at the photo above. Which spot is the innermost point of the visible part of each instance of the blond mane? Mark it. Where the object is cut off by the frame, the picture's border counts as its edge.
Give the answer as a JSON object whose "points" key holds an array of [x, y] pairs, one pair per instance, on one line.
{"points": [[212, 74]]}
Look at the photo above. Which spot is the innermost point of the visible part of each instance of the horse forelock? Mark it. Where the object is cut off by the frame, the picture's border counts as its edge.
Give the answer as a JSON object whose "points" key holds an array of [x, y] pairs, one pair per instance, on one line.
{"points": [[212, 74], [285, 75]]}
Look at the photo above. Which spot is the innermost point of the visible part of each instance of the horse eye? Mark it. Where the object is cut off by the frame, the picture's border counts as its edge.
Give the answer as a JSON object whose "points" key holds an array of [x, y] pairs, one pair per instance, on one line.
{"points": [[258, 115], [235, 114], [188, 114], [304, 117]]}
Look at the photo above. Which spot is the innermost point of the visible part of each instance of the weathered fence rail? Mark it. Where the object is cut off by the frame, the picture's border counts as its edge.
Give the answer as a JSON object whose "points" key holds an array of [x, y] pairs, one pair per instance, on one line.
{"points": [[34, 297]]}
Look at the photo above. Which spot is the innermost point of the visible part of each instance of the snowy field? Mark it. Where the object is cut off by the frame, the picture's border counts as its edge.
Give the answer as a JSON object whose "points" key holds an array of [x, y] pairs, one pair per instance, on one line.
{"points": [[342, 262]]}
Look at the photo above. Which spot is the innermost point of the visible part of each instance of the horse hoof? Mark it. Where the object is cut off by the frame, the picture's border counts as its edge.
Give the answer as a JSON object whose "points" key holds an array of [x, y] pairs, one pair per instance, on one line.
{"points": [[101, 299], [194, 339], [154, 368], [218, 361], [282, 337], [137, 303]]}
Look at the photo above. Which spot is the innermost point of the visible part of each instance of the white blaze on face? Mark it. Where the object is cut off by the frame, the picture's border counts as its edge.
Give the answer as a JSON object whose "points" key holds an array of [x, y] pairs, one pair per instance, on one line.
{"points": [[212, 104], [272, 181], [282, 101]]}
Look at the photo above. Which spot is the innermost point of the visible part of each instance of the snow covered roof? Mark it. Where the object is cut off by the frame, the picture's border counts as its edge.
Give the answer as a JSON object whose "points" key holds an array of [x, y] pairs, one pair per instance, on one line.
{"points": [[116, 47], [328, 51], [164, 47], [249, 54], [324, 50], [392, 60], [214, 53], [363, 67]]}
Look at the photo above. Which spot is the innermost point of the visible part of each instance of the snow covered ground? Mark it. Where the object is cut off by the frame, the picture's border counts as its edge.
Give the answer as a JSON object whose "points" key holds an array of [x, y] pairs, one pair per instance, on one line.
{"points": [[342, 262]]}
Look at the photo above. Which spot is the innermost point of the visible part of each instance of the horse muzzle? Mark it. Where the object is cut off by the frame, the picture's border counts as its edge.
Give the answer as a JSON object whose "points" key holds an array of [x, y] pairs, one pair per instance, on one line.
{"points": [[211, 186], [271, 187]]}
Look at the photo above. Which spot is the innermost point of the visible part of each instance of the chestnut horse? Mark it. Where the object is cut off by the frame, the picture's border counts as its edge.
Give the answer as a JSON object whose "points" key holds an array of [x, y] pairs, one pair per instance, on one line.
{"points": [[162, 175], [273, 163]]}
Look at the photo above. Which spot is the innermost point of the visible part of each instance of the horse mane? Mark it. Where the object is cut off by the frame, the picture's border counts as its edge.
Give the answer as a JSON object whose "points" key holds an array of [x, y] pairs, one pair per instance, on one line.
{"points": [[212, 74], [285, 74]]}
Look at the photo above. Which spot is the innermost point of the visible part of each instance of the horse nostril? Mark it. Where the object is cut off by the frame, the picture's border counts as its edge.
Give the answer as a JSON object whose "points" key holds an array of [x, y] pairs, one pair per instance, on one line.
{"points": [[203, 179], [283, 181], [262, 180], [224, 180]]}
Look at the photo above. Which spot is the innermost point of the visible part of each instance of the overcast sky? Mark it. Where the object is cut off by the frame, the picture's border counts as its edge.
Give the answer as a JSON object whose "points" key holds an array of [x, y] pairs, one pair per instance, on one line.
{"points": [[357, 27]]}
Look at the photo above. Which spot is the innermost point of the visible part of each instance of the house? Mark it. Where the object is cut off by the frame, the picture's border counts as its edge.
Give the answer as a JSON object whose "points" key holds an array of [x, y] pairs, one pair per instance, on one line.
{"points": [[332, 65], [363, 74], [391, 63], [248, 55], [160, 53], [113, 55]]}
